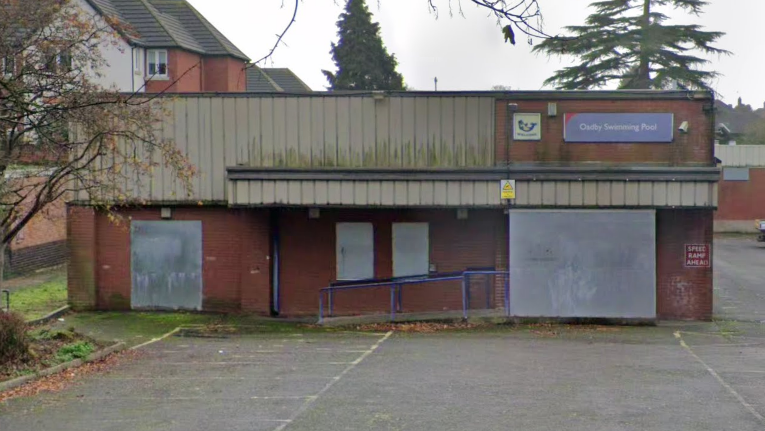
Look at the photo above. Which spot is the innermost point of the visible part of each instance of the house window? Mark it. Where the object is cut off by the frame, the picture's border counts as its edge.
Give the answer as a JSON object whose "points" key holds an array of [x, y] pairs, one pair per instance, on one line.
{"points": [[355, 251], [58, 62], [138, 60], [65, 61], [157, 59], [411, 249], [8, 65]]}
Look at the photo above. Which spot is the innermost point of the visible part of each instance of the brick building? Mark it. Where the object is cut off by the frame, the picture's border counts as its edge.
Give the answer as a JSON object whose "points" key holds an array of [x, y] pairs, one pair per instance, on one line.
{"points": [[613, 214], [742, 188]]}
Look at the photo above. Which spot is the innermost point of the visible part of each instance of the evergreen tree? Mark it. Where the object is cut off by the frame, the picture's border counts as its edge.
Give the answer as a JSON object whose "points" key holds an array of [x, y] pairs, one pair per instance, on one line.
{"points": [[362, 61], [629, 41]]}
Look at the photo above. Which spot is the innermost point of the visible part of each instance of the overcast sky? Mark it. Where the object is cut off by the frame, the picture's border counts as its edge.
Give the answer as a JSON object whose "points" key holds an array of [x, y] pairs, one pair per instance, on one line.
{"points": [[468, 53]]}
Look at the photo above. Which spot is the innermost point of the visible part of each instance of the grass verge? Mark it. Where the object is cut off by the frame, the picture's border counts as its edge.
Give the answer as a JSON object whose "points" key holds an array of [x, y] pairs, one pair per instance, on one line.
{"points": [[35, 302]]}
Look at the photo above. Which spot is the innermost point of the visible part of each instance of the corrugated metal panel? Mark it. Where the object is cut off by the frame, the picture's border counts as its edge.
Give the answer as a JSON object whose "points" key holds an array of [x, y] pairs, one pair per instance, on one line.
{"points": [[534, 194], [741, 155], [313, 132]]}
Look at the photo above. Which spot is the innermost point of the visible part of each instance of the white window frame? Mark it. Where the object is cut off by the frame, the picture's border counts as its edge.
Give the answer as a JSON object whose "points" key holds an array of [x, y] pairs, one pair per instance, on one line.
{"points": [[138, 61], [152, 57], [3, 63]]}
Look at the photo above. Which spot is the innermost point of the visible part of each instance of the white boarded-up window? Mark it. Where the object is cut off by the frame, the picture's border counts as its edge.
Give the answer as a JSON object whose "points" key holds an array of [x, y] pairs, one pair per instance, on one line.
{"points": [[411, 249], [355, 251]]}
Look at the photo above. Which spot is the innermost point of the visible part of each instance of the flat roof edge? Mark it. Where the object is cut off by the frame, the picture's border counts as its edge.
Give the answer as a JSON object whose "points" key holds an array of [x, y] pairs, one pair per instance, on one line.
{"points": [[499, 95]]}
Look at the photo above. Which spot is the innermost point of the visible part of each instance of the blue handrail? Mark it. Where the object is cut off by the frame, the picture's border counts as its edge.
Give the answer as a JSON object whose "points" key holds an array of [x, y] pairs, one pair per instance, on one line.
{"points": [[397, 284]]}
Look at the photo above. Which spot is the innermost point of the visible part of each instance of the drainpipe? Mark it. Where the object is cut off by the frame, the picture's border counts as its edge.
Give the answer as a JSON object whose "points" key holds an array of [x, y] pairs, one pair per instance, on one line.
{"points": [[275, 262]]}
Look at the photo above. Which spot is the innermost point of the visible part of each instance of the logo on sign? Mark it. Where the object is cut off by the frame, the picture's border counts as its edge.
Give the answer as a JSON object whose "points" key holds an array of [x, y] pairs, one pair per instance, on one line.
{"points": [[527, 127], [697, 256], [507, 189]]}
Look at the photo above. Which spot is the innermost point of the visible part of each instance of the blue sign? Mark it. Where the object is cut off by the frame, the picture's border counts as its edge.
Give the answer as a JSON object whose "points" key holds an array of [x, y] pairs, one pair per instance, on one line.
{"points": [[619, 128]]}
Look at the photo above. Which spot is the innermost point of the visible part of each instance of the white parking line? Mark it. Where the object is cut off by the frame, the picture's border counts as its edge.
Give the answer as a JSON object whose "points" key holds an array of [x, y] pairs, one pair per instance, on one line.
{"points": [[725, 384], [332, 382]]}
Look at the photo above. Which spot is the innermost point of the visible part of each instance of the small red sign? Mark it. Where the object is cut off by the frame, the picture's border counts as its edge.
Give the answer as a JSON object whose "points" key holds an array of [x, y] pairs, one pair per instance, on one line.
{"points": [[698, 255]]}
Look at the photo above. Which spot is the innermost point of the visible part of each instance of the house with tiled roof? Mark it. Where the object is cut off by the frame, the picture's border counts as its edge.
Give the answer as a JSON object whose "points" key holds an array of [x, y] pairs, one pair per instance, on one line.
{"points": [[274, 80], [167, 45]]}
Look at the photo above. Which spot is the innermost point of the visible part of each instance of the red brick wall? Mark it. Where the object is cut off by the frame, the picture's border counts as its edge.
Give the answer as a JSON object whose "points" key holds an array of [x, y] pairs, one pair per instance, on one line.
{"points": [[743, 200], [178, 62], [224, 74], [81, 242], [236, 263], [682, 293], [694, 148], [308, 259]]}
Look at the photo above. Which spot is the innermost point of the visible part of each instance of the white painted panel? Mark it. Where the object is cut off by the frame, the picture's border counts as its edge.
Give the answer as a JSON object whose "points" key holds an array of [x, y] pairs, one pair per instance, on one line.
{"points": [[255, 192], [604, 193], [266, 130], [453, 192], [535, 193], [687, 194], [411, 249], [467, 193], [247, 131], [294, 195], [645, 195], [330, 132], [316, 139], [482, 193], [674, 193], [439, 195], [562, 195], [355, 251], [281, 191], [387, 191], [413, 193], [576, 190], [360, 193], [548, 193], [346, 192], [374, 189], [618, 197], [427, 193], [333, 194], [357, 132], [369, 134], [308, 193], [632, 193], [322, 192], [400, 193]]}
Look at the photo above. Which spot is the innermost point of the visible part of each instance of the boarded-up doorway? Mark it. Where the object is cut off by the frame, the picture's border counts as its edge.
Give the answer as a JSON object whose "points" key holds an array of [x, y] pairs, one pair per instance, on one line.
{"points": [[567, 263], [166, 264]]}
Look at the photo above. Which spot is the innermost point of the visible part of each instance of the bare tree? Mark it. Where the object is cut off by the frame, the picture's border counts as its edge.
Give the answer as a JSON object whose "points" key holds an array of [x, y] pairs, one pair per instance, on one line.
{"points": [[524, 16], [52, 111]]}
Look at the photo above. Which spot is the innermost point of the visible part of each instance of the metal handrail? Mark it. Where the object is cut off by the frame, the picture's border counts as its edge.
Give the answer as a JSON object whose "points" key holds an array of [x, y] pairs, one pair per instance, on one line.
{"points": [[396, 285]]}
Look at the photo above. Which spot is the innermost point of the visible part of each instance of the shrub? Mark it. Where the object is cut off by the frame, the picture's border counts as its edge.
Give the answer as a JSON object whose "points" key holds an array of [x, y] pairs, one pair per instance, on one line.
{"points": [[74, 351], [14, 342]]}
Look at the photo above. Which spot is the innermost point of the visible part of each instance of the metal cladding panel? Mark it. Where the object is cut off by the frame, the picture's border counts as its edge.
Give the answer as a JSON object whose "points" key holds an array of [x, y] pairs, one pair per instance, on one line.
{"points": [[166, 265], [741, 155], [574, 263]]}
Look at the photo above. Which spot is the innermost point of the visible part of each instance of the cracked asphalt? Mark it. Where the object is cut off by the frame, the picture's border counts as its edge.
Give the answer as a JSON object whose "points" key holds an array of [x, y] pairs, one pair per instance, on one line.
{"points": [[677, 376]]}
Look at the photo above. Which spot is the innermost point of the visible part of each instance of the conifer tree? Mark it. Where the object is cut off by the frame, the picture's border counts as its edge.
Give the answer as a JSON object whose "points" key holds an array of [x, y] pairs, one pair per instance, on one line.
{"points": [[632, 43], [362, 61]]}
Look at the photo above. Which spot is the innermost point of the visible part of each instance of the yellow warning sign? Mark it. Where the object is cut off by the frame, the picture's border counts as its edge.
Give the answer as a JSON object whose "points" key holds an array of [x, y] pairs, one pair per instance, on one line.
{"points": [[507, 188]]}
